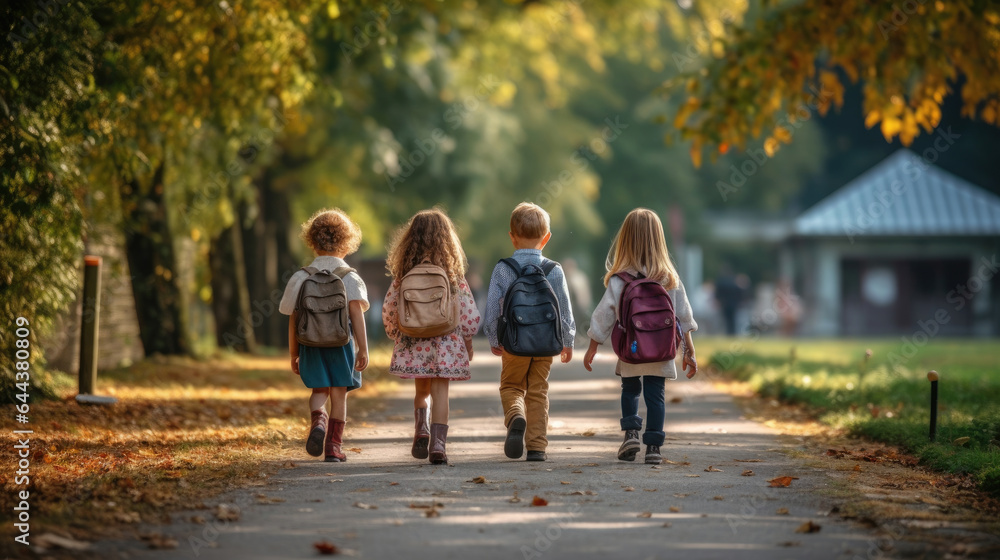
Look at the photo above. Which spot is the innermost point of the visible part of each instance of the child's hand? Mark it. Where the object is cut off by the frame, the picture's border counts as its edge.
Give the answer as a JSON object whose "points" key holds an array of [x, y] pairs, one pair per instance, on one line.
{"points": [[295, 365], [496, 350], [361, 360], [566, 355], [690, 364], [468, 346], [588, 358]]}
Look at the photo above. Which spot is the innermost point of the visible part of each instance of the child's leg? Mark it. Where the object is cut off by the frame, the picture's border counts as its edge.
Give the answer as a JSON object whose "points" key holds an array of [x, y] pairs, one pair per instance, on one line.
{"points": [[338, 398], [318, 398], [653, 393], [422, 393], [439, 401], [513, 384], [537, 404], [631, 387]]}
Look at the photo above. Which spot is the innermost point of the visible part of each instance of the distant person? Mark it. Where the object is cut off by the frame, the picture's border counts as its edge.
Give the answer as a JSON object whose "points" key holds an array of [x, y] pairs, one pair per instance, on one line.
{"points": [[579, 288], [640, 250], [525, 329], [729, 295], [328, 347], [704, 306], [788, 306], [431, 315]]}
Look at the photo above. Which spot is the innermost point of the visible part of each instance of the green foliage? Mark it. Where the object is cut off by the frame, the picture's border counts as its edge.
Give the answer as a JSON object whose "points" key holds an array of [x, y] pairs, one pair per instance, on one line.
{"points": [[888, 401]]}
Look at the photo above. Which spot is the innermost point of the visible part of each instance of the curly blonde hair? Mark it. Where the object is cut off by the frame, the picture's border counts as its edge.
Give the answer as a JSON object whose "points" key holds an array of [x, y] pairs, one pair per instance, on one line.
{"points": [[428, 236], [331, 231]]}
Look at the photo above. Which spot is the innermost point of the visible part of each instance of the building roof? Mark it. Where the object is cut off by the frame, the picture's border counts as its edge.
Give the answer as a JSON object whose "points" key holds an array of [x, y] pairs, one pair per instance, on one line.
{"points": [[903, 196]]}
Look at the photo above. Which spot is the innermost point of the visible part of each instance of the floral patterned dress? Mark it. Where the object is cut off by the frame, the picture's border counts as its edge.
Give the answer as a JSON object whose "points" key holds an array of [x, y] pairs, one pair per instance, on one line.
{"points": [[442, 357]]}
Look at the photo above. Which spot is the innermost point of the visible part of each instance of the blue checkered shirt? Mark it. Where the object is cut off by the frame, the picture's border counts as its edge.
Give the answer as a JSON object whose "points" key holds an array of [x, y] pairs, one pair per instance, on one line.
{"points": [[504, 276]]}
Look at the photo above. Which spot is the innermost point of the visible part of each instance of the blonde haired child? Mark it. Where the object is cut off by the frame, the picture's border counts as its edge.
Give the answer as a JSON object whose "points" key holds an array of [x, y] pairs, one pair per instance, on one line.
{"points": [[640, 248], [432, 362], [329, 372]]}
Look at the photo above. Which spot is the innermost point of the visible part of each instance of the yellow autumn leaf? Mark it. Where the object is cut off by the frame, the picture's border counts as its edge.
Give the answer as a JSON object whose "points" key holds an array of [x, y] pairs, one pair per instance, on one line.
{"points": [[696, 153], [333, 9], [782, 134], [909, 129], [770, 146], [891, 127], [872, 118]]}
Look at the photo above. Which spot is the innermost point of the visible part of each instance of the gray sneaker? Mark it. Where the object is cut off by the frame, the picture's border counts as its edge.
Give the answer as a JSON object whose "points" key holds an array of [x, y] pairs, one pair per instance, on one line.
{"points": [[630, 447]]}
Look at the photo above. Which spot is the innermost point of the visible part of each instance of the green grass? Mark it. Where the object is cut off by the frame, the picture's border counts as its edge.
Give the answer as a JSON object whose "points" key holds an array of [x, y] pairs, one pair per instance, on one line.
{"points": [[887, 396]]}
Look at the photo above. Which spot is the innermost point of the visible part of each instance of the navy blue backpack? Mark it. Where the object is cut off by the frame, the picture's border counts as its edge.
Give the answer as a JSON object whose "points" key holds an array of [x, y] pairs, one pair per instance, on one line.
{"points": [[529, 323]]}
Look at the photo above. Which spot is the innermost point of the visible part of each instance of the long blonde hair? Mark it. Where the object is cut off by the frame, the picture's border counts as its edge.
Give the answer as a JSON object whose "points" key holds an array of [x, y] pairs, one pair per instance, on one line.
{"points": [[428, 236], [640, 245]]}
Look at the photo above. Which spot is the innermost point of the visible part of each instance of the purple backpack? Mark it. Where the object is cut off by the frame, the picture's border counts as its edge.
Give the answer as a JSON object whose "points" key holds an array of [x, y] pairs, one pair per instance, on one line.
{"points": [[646, 330]]}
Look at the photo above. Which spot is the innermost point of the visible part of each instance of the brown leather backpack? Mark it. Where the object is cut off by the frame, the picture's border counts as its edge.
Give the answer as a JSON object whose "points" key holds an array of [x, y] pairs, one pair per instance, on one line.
{"points": [[427, 307], [322, 318]]}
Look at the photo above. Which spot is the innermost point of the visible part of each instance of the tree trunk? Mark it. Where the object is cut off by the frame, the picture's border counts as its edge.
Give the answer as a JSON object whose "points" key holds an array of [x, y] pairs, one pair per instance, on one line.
{"points": [[152, 260], [269, 259], [234, 323]]}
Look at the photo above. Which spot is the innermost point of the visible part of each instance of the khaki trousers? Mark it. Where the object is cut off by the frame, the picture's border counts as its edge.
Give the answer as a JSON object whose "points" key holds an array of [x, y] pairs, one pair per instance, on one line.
{"points": [[524, 391]]}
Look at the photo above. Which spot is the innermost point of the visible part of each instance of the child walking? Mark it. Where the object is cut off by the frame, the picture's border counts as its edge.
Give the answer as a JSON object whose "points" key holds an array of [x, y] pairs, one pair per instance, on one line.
{"points": [[640, 250], [430, 313], [547, 325], [325, 302]]}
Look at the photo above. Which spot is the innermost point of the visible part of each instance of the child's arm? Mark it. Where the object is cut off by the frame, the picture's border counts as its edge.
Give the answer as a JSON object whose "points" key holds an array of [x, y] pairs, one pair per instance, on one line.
{"points": [[602, 321], [357, 315], [689, 363], [565, 315], [293, 344], [493, 297], [588, 358], [389, 310], [469, 318]]}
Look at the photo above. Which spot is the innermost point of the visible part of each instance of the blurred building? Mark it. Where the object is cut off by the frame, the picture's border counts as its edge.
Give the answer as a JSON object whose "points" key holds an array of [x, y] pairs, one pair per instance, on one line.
{"points": [[905, 247]]}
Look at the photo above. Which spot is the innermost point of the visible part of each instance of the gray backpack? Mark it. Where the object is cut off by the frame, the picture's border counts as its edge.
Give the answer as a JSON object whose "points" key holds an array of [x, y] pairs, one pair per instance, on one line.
{"points": [[321, 310]]}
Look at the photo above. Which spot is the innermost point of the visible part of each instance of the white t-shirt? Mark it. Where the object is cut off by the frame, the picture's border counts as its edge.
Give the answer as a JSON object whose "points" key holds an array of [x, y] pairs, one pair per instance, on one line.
{"points": [[356, 289]]}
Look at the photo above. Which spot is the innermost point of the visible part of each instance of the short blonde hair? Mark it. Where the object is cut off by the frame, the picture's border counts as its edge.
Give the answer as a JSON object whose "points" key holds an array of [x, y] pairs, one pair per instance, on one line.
{"points": [[529, 221], [641, 246], [331, 231]]}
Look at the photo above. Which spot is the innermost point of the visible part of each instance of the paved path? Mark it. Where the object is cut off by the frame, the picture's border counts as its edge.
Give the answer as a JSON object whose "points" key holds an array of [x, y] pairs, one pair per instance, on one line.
{"points": [[598, 507]]}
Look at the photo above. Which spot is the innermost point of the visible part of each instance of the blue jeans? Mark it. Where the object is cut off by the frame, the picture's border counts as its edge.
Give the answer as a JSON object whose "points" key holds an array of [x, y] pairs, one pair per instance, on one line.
{"points": [[652, 391]]}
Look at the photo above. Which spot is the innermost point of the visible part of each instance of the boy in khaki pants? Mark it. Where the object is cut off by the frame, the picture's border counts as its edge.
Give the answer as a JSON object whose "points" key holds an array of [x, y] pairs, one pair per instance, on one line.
{"points": [[524, 380]]}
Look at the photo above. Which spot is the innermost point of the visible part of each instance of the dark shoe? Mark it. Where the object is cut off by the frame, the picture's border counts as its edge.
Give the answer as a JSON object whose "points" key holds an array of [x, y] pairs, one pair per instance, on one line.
{"points": [[653, 456], [514, 446], [630, 447], [439, 437], [334, 440], [536, 456], [314, 443], [421, 434]]}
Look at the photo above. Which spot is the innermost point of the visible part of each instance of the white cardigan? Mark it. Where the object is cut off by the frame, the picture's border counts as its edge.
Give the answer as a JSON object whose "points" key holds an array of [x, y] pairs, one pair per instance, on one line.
{"points": [[606, 314]]}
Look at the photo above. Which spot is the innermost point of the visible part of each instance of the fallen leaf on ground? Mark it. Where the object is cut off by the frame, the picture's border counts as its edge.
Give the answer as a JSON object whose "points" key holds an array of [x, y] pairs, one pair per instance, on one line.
{"points": [[679, 495], [159, 541], [50, 540], [681, 463], [128, 517], [197, 519], [265, 499], [693, 475], [782, 481], [645, 515], [676, 400], [650, 489], [515, 499], [433, 512], [589, 433], [227, 512], [747, 472], [289, 465], [857, 467], [629, 489], [808, 527], [748, 460], [539, 501], [325, 548], [564, 482], [591, 465], [393, 484], [712, 469], [478, 480], [361, 505], [782, 511], [675, 509], [667, 524], [577, 472], [582, 493], [718, 497], [354, 449], [789, 543], [433, 505]]}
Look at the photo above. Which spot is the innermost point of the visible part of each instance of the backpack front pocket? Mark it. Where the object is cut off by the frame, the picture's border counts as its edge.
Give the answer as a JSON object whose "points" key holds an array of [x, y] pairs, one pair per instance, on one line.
{"points": [[537, 330], [424, 307]]}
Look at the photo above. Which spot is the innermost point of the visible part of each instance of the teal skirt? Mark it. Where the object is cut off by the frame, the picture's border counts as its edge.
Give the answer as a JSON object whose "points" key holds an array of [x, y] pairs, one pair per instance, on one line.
{"points": [[328, 367]]}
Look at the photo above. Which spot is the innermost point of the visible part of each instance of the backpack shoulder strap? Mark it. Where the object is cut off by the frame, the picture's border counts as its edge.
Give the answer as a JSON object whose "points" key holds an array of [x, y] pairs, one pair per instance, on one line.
{"points": [[513, 264], [310, 270], [548, 266], [343, 271], [628, 278]]}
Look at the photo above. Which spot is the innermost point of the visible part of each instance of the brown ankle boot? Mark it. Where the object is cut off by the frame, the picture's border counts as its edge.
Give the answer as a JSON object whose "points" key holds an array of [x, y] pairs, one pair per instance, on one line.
{"points": [[314, 443], [439, 436], [334, 439], [421, 434]]}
